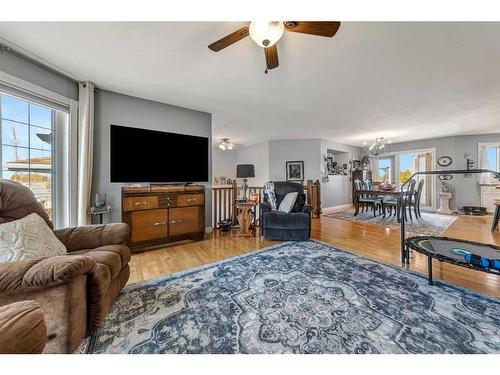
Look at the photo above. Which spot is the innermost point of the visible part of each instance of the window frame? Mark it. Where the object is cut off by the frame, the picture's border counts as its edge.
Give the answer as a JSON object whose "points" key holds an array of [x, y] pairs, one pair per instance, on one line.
{"points": [[392, 162], [489, 180], [65, 161], [397, 154]]}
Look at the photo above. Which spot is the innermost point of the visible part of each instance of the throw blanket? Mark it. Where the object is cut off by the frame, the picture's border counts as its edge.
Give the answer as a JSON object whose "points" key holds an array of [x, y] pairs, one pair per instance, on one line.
{"points": [[270, 195]]}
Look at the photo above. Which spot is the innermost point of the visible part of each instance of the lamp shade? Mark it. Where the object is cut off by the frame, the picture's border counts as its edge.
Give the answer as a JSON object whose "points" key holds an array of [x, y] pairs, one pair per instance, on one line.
{"points": [[245, 170]]}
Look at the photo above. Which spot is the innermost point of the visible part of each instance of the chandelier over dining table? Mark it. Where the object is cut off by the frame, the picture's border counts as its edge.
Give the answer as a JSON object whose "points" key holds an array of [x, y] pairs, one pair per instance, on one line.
{"points": [[378, 147]]}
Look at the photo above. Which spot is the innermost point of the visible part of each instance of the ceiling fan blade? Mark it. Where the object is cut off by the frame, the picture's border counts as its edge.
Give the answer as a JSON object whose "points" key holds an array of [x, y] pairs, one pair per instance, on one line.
{"points": [[319, 28], [229, 39], [271, 57]]}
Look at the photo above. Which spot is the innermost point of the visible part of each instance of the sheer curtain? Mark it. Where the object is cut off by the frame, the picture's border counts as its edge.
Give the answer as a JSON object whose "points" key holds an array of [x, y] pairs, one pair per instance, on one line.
{"points": [[85, 149], [484, 178], [423, 162], [374, 168]]}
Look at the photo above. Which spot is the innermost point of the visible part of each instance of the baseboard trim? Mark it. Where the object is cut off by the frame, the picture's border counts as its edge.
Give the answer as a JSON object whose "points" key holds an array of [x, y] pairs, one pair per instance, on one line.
{"points": [[333, 209]]}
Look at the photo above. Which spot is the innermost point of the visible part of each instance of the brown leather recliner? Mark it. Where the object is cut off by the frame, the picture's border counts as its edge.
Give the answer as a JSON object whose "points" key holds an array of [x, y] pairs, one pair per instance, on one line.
{"points": [[75, 291]]}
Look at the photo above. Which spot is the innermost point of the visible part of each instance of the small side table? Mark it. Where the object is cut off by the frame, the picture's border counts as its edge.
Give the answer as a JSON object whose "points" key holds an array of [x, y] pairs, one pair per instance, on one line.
{"points": [[496, 216], [246, 229], [99, 212]]}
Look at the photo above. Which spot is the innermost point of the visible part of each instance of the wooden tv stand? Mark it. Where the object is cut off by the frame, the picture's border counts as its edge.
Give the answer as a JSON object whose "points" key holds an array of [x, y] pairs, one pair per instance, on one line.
{"points": [[160, 214]]}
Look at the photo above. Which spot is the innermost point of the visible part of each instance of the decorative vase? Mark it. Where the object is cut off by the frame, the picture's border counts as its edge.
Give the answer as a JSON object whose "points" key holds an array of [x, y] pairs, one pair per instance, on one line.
{"points": [[100, 200]]}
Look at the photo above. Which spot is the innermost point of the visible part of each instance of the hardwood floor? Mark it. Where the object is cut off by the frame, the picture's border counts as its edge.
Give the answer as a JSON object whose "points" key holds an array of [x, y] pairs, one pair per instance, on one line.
{"points": [[374, 242]]}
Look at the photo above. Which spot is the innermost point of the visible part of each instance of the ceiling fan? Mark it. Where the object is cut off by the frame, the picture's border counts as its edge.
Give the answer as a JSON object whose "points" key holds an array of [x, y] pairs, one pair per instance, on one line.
{"points": [[267, 33]]}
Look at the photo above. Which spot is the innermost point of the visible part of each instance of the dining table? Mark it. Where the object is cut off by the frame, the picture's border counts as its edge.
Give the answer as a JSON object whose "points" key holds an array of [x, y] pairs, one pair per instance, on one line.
{"points": [[393, 194]]}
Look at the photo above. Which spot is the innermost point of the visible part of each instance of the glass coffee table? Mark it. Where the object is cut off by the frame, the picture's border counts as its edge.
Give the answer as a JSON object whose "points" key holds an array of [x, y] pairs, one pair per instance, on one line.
{"points": [[452, 250]]}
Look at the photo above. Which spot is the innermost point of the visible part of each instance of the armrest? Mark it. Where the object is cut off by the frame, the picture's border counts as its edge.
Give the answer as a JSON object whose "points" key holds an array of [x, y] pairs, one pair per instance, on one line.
{"points": [[42, 273], [22, 328], [92, 236], [307, 209], [265, 207]]}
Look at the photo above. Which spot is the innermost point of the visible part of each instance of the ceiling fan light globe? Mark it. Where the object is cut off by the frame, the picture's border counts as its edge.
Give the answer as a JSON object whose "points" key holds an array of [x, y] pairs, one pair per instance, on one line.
{"points": [[266, 33]]}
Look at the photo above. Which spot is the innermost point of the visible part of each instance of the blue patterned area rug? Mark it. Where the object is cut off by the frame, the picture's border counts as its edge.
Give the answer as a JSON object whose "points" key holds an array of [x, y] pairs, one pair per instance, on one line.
{"points": [[301, 297]]}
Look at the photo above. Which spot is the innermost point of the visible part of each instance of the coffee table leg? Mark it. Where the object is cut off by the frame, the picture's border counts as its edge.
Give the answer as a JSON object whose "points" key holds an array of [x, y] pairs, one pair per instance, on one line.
{"points": [[429, 269]]}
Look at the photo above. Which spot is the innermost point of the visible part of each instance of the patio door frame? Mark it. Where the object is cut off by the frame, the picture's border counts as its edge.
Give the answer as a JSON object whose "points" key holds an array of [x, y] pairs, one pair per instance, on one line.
{"points": [[396, 154], [65, 163]]}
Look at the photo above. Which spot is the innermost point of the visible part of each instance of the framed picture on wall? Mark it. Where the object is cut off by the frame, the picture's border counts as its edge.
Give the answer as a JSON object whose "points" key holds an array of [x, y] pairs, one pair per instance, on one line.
{"points": [[295, 171]]}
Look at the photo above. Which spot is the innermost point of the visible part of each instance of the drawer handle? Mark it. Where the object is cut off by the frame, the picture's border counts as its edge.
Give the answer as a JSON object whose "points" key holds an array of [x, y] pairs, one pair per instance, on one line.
{"points": [[159, 223], [191, 199], [140, 203], [175, 221]]}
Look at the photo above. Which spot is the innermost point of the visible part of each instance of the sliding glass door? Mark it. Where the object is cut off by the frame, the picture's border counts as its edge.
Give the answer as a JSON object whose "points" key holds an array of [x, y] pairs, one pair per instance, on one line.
{"points": [[28, 146], [423, 161], [397, 167], [418, 161]]}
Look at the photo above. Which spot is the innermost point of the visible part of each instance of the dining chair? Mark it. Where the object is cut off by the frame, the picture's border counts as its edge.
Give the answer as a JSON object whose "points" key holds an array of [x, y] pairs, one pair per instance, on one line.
{"points": [[389, 202], [416, 199], [365, 200], [408, 197]]}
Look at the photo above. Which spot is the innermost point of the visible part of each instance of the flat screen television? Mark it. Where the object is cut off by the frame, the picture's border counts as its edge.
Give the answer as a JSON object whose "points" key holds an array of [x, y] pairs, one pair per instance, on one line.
{"points": [[141, 155]]}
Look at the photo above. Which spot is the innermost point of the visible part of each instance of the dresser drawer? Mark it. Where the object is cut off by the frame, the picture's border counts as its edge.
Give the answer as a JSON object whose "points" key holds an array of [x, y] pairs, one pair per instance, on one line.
{"points": [[184, 220], [167, 200], [149, 225], [190, 199], [140, 203]]}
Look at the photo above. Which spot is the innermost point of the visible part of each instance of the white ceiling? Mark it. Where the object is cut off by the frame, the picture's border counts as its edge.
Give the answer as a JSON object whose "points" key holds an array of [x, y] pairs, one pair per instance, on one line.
{"points": [[403, 81]]}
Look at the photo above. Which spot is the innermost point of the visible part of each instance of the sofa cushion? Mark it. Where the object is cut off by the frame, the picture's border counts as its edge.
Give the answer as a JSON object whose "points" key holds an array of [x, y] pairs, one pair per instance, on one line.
{"points": [[288, 202], [282, 188], [18, 201], [28, 238]]}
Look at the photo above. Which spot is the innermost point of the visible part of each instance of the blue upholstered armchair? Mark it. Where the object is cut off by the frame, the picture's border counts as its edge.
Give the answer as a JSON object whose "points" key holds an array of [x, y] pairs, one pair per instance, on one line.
{"points": [[282, 226]]}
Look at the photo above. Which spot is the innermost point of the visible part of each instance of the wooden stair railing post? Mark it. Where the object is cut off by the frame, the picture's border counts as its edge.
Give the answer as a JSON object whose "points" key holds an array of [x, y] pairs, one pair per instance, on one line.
{"points": [[318, 199], [215, 223], [233, 202], [313, 197], [309, 189]]}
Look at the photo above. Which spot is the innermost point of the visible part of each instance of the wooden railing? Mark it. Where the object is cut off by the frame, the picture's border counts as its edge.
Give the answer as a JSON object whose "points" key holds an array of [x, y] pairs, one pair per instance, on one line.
{"points": [[224, 207]]}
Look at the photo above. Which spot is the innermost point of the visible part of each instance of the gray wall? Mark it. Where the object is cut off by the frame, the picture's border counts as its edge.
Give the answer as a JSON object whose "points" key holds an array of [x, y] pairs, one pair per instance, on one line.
{"points": [[117, 109], [258, 155], [306, 150], [270, 160], [467, 190], [15, 65], [223, 163]]}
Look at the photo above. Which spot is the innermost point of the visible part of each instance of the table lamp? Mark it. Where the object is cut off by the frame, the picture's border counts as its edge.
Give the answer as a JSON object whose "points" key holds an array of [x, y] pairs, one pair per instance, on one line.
{"points": [[244, 171]]}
